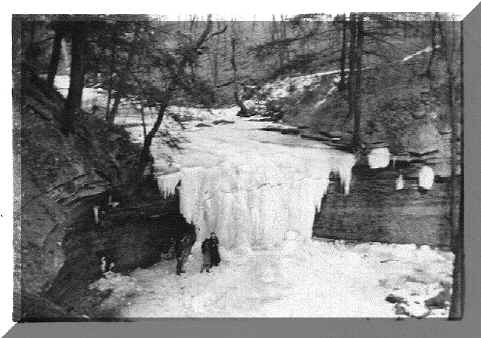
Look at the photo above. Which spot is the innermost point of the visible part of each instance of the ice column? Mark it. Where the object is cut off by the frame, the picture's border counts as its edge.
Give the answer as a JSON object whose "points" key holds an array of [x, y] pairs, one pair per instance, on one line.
{"points": [[426, 177], [379, 158]]}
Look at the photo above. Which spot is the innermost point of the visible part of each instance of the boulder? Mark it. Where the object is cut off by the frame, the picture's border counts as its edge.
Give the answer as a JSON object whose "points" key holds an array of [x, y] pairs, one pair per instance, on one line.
{"points": [[394, 299], [290, 131], [316, 137], [439, 301], [203, 125]]}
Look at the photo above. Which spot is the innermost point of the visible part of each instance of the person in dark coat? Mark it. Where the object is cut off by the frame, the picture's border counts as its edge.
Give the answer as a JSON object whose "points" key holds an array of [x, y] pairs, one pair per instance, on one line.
{"points": [[206, 261], [183, 248], [214, 249]]}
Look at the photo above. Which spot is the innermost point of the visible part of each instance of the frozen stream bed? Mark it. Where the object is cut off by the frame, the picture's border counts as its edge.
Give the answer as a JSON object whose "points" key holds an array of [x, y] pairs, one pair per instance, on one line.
{"points": [[259, 191]]}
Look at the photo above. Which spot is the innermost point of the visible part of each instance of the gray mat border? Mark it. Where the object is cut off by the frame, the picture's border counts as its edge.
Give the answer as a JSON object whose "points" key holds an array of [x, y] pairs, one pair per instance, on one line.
{"points": [[469, 326]]}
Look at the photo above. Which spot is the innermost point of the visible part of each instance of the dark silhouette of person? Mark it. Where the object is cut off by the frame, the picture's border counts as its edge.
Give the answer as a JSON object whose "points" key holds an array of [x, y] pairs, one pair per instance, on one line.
{"points": [[214, 249], [183, 248], [206, 258]]}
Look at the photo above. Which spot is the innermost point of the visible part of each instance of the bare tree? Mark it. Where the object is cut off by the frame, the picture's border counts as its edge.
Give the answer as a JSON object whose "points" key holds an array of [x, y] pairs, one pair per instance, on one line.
{"points": [[175, 81], [342, 60], [78, 32], [56, 52], [235, 80]]}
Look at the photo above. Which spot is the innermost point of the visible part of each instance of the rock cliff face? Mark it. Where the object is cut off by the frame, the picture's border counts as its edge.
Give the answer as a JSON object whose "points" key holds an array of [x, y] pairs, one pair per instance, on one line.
{"points": [[375, 210], [60, 245]]}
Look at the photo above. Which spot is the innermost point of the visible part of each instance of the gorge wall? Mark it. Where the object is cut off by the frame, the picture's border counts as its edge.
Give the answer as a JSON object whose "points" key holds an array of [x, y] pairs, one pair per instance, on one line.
{"points": [[58, 241]]}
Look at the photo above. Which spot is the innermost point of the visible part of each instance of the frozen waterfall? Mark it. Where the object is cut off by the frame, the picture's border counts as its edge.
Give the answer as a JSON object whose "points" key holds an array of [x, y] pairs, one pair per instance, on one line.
{"points": [[254, 206], [250, 186]]}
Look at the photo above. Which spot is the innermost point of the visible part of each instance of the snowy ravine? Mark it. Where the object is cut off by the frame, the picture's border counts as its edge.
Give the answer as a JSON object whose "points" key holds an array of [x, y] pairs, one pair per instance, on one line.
{"points": [[259, 191]]}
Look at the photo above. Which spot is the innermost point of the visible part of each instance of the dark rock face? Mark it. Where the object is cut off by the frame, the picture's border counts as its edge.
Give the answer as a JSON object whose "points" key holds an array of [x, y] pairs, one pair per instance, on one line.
{"points": [[422, 137], [60, 245], [375, 211]]}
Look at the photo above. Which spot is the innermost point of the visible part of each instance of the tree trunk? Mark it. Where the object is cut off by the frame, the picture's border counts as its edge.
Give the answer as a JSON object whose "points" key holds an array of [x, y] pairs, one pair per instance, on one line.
{"points": [[282, 47], [352, 65], [237, 98], [74, 97], [342, 61], [113, 58], [357, 141], [30, 54], [122, 78], [456, 207], [144, 157], [142, 115], [428, 71], [54, 58], [115, 107]]}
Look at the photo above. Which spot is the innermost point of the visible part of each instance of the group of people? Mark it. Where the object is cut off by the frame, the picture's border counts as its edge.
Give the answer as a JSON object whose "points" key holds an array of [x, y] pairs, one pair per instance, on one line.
{"points": [[210, 252], [209, 248]]}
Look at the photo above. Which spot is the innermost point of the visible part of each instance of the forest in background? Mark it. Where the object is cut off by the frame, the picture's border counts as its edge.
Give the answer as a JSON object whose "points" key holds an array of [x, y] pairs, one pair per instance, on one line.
{"points": [[219, 63]]}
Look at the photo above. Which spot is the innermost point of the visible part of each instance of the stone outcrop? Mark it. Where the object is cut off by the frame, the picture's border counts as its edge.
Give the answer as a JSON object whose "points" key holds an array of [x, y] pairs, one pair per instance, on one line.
{"points": [[375, 211], [59, 243]]}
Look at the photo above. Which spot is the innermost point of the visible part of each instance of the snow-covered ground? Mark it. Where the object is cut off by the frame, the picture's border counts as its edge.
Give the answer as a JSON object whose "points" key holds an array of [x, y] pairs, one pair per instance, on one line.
{"points": [[259, 191], [301, 278]]}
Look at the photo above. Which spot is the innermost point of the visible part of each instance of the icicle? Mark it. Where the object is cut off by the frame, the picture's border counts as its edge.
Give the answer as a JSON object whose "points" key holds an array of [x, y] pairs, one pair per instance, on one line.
{"points": [[96, 214], [344, 168], [400, 183], [379, 158], [426, 177], [103, 264], [167, 183]]}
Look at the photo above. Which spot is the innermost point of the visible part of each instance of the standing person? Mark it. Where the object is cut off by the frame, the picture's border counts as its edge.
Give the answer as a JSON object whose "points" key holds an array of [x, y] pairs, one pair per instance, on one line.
{"points": [[206, 259], [214, 249], [182, 251]]}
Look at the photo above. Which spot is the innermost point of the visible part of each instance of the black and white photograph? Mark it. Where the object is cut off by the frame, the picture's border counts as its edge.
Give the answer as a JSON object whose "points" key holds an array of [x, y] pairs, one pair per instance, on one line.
{"points": [[308, 165]]}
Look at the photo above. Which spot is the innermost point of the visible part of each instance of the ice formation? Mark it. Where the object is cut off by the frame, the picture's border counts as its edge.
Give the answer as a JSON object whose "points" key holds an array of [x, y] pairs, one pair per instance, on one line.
{"points": [[252, 206], [400, 182], [257, 187], [426, 177], [168, 183], [379, 158]]}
